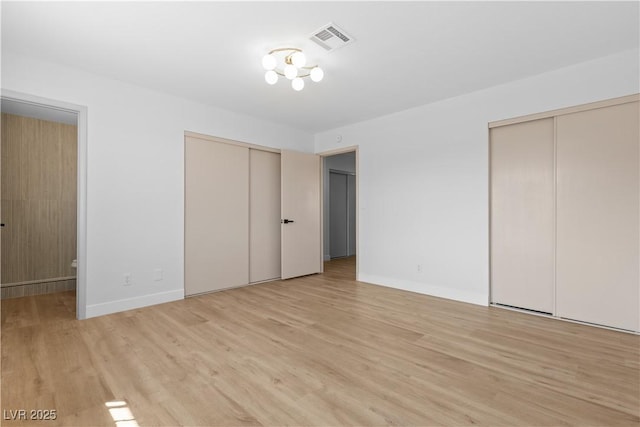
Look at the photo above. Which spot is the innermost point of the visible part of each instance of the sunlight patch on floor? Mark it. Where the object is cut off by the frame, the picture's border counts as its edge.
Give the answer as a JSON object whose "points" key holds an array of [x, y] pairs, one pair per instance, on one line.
{"points": [[121, 413]]}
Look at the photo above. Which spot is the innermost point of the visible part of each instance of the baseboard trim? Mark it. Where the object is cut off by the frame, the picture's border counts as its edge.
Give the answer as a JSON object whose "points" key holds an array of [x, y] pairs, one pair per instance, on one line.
{"points": [[36, 282], [426, 289], [110, 307], [38, 288]]}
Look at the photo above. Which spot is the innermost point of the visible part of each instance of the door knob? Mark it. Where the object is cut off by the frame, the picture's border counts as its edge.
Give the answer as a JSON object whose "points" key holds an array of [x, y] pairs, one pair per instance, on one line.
{"points": [[287, 221]]}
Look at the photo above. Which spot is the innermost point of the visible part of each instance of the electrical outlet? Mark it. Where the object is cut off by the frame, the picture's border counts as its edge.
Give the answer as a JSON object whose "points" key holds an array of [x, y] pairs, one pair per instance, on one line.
{"points": [[127, 279], [419, 267], [157, 274]]}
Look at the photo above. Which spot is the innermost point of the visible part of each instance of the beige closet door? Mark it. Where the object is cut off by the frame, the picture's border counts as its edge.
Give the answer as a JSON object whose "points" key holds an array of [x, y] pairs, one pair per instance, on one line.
{"points": [[522, 215], [597, 247], [264, 216], [301, 248], [216, 216]]}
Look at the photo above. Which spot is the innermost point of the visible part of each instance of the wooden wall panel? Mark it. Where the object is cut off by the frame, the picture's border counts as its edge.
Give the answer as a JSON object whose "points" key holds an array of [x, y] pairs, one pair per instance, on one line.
{"points": [[522, 215], [38, 186], [69, 160], [598, 249]]}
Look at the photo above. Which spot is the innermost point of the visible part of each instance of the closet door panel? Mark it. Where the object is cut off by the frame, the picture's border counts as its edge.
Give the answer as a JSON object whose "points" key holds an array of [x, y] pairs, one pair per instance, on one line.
{"points": [[351, 191], [598, 214], [338, 215], [264, 225], [522, 215], [216, 216]]}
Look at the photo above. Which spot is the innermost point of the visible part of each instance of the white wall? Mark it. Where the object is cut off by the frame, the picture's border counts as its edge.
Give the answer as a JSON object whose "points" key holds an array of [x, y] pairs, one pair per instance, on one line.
{"points": [[423, 176], [345, 162], [135, 174]]}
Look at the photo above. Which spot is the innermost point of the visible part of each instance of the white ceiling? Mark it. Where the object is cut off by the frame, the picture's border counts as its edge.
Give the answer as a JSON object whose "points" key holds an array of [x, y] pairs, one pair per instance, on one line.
{"points": [[406, 53]]}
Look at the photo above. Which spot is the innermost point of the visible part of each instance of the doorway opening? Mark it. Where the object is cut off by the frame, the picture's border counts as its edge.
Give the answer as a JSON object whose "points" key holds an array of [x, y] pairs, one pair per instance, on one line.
{"points": [[43, 200], [340, 212]]}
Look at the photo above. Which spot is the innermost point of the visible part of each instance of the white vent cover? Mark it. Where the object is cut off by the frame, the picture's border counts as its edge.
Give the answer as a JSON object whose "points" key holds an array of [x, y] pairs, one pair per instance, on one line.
{"points": [[330, 37]]}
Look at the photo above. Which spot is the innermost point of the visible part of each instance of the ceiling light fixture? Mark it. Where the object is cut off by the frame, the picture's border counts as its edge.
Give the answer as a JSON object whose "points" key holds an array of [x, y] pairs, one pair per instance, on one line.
{"points": [[290, 62]]}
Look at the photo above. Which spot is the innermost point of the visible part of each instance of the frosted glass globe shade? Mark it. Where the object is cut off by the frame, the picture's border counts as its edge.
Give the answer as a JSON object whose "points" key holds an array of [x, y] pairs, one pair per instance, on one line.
{"points": [[297, 84], [316, 74], [269, 62], [290, 72], [271, 77], [298, 59]]}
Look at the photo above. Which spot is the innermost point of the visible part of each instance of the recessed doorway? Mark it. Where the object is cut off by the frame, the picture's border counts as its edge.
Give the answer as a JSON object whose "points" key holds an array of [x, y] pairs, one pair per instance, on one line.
{"points": [[43, 195], [340, 212]]}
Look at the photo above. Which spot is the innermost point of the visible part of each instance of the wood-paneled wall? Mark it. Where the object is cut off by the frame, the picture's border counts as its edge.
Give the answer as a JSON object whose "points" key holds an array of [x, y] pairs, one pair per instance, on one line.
{"points": [[38, 199]]}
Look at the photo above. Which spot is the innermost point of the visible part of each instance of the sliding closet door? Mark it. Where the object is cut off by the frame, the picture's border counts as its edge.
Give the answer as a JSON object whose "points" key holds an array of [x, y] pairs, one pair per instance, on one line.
{"points": [[216, 216], [351, 209], [338, 215], [264, 223], [522, 215], [598, 249]]}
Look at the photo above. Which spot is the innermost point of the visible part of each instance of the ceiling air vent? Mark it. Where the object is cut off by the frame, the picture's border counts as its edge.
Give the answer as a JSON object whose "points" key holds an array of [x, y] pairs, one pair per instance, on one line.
{"points": [[331, 37]]}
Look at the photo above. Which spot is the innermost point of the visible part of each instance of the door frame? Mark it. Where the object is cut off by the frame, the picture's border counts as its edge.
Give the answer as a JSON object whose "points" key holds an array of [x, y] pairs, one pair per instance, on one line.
{"points": [[81, 182], [329, 153]]}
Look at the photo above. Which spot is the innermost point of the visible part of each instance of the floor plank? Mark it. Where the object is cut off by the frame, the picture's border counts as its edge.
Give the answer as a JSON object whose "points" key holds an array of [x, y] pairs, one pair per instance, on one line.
{"points": [[318, 350]]}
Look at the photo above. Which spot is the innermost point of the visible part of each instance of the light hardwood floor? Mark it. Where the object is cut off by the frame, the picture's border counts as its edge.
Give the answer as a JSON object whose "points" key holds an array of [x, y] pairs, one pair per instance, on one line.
{"points": [[319, 350]]}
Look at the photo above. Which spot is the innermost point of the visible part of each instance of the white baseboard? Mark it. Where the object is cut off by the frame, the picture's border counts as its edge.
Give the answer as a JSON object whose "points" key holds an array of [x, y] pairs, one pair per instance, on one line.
{"points": [[101, 309], [423, 288]]}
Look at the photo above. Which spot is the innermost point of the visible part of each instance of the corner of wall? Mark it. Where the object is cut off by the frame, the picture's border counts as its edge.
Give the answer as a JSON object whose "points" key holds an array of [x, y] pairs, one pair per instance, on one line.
{"points": [[478, 298], [101, 309]]}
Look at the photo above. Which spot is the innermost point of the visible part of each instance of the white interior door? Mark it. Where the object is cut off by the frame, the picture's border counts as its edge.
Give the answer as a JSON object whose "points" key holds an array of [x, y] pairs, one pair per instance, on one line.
{"points": [[301, 247]]}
